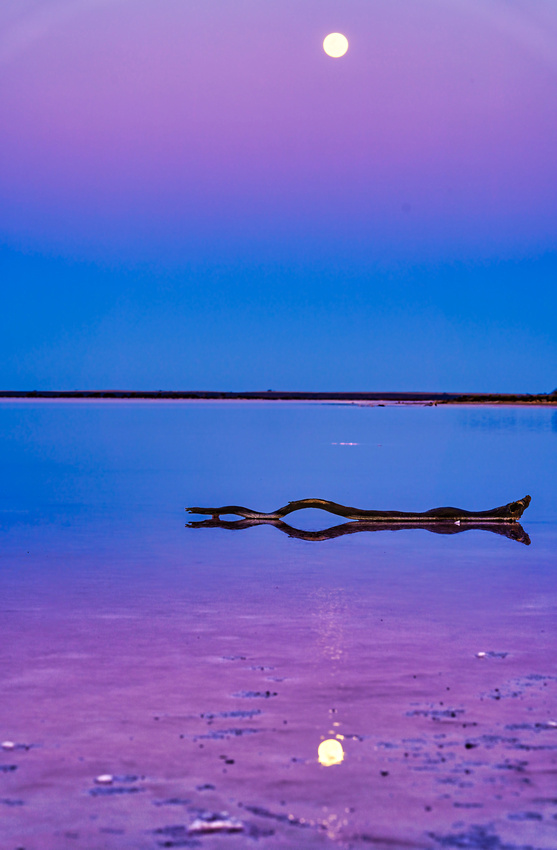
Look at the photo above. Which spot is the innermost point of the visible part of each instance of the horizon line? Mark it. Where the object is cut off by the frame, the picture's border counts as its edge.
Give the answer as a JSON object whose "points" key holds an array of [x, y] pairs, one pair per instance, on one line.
{"points": [[287, 395]]}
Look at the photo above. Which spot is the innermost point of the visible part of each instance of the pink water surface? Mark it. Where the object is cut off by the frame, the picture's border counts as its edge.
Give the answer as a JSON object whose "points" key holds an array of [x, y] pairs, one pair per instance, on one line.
{"points": [[201, 669]]}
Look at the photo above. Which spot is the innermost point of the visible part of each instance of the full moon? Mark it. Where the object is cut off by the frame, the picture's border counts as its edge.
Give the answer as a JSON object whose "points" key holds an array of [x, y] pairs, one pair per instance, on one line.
{"points": [[335, 44]]}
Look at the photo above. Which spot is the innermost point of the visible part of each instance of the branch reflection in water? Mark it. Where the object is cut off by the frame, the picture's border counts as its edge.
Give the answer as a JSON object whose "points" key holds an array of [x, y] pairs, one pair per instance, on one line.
{"points": [[511, 530]]}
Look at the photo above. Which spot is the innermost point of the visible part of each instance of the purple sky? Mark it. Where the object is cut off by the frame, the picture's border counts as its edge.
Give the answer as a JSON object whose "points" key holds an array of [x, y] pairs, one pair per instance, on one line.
{"points": [[149, 127], [179, 132]]}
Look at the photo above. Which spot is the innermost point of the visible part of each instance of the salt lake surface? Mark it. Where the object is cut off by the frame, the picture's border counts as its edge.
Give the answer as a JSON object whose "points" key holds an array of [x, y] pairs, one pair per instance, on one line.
{"points": [[197, 671]]}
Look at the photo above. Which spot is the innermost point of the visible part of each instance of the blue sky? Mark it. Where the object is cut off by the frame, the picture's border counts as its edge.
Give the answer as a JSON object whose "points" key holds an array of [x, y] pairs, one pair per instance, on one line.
{"points": [[194, 196], [462, 327]]}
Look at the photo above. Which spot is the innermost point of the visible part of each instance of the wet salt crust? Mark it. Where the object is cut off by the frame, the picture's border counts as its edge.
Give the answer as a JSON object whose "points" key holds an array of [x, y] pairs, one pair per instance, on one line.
{"points": [[166, 687]]}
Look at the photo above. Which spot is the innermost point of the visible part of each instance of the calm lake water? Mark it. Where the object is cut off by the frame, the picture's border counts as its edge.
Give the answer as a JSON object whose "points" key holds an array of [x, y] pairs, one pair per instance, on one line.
{"points": [[198, 670]]}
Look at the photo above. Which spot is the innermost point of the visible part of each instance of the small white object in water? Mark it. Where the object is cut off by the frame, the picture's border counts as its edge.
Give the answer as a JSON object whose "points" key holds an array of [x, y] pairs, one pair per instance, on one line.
{"points": [[8, 745], [217, 825], [104, 779], [481, 654], [552, 722]]}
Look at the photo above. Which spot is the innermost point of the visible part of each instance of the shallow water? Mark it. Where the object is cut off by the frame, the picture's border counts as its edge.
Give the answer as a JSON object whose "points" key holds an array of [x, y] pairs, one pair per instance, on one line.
{"points": [[202, 668]]}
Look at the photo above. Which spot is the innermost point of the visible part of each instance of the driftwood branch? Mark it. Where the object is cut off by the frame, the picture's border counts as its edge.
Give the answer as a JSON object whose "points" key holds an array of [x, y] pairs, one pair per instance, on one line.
{"points": [[506, 513]]}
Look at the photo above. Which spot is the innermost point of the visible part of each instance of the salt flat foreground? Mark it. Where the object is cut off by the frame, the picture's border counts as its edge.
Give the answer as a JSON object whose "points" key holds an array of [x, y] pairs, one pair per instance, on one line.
{"points": [[171, 687]]}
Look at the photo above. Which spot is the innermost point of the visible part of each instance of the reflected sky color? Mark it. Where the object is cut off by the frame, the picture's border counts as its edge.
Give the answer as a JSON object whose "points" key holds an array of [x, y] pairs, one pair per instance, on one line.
{"points": [[202, 671], [194, 195]]}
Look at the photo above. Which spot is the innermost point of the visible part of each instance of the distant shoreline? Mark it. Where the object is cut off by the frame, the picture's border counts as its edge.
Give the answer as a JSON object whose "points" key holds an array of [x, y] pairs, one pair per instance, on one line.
{"points": [[271, 395]]}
